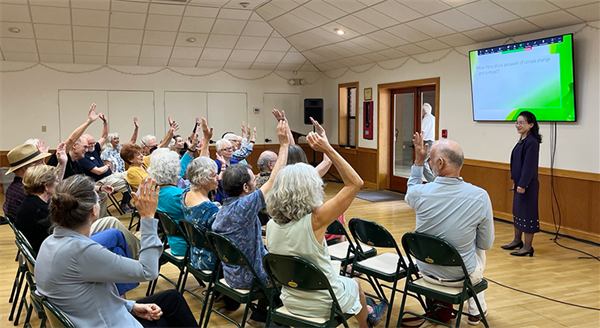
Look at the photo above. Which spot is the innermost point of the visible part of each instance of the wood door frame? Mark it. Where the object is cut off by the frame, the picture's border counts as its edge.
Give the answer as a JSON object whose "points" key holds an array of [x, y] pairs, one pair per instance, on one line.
{"points": [[343, 112], [384, 112]]}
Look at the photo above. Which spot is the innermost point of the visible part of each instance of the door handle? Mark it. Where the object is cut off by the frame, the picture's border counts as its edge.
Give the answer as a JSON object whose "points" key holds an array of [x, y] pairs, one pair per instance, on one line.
{"points": [[268, 140]]}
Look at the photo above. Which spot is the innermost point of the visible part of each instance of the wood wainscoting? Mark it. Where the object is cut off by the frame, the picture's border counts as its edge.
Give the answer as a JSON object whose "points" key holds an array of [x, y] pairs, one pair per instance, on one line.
{"points": [[578, 195]]}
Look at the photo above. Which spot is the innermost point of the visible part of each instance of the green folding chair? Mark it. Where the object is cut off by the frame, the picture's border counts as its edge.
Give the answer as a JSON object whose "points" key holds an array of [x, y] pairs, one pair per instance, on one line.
{"points": [[346, 250], [171, 228], [55, 317], [22, 243], [228, 252], [436, 251], [298, 273], [134, 212], [387, 267], [34, 298], [196, 238]]}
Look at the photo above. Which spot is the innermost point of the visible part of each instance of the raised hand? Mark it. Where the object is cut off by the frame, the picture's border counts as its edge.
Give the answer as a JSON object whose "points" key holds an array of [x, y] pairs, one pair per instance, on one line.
{"points": [[283, 131], [319, 129], [102, 117], [248, 131], [146, 198], [207, 132], [41, 146], [194, 144], [254, 134], [279, 115], [243, 129], [135, 122], [221, 159], [171, 122], [92, 115], [420, 148], [317, 142], [61, 153]]}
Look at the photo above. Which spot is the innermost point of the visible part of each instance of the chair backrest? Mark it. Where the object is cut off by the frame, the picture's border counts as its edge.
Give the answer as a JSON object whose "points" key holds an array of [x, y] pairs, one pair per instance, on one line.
{"points": [[195, 237], [55, 317], [295, 272], [227, 251], [169, 225], [28, 254], [431, 249], [372, 234], [23, 240], [337, 228]]}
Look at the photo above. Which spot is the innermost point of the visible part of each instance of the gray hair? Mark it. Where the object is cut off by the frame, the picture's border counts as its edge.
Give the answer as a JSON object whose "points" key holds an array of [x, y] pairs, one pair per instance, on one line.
{"points": [[229, 135], [296, 192], [146, 139], [31, 141], [221, 144], [264, 160], [72, 202], [453, 158], [427, 108], [164, 166], [200, 170], [108, 145]]}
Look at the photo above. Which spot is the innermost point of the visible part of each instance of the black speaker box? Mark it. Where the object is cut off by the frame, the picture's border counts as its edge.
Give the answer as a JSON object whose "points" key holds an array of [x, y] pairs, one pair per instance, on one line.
{"points": [[313, 107]]}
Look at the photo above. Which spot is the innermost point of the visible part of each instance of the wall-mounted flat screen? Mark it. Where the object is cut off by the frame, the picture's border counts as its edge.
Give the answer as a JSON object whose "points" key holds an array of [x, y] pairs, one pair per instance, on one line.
{"points": [[535, 75]]}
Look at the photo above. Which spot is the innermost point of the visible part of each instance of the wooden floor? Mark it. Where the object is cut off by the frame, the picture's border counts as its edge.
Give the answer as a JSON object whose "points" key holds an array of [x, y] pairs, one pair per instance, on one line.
{"points": [[554, 272]]}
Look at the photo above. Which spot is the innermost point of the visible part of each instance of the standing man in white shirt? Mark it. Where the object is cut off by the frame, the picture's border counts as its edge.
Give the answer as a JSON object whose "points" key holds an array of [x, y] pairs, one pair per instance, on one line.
{"points": [[428, 129]]}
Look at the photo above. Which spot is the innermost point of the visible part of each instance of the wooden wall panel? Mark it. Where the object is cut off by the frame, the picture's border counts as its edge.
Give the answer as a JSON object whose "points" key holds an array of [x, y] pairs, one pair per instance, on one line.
{"points": [[577, 193]]}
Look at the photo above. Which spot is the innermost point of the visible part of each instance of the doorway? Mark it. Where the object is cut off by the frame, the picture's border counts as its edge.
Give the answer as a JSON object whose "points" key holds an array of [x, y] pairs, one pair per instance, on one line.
{"points": [[399, 116]]}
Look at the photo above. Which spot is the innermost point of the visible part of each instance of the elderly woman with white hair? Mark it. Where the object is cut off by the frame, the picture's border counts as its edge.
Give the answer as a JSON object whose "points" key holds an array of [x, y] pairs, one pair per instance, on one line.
{"points": [[298, 225], [224, 160], [112, 149]]}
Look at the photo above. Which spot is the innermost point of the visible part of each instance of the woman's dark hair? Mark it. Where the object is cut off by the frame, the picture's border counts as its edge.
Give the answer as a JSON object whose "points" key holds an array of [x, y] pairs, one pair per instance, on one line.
{"points": [[234, 179], [296, 155], [535, 129], [70, 206]]}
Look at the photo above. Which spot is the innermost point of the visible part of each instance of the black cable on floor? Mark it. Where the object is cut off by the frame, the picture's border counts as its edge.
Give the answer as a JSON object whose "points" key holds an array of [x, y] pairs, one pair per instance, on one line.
{"points": [[544, 297]]}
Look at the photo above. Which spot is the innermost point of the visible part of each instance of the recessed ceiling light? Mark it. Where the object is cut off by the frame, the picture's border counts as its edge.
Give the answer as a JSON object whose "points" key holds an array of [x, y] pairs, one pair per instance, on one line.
{"points": [[244, 4], [14, 30], [339, 31], [192, 40]]}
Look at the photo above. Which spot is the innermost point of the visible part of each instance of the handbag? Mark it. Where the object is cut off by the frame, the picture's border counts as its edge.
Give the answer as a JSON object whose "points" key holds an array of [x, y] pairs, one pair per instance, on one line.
{"points": [[438, 310]]}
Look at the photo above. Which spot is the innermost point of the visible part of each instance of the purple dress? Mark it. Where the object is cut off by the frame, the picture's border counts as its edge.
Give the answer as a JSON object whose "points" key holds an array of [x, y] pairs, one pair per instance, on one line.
{"points": [[524, 162]]}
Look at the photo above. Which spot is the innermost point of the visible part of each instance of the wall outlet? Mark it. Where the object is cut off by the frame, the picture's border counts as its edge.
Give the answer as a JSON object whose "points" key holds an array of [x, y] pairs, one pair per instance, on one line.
{"points": [[256, 110], [43, 128]]}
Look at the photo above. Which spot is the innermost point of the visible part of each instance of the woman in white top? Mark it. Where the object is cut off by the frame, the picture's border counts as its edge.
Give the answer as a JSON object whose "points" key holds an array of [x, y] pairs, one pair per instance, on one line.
{"points": [[298, 225], [78, 275]]}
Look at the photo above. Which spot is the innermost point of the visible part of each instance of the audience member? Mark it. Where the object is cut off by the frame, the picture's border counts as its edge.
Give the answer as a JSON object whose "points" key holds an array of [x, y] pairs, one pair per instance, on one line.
{"points": [[456, 211], [132, 155], [78, 275], [238, 220], [266, 163], [224, 160], [300, 220], [428, 128], [20, 159], [33, 216], [241, 147], [112, 149]]}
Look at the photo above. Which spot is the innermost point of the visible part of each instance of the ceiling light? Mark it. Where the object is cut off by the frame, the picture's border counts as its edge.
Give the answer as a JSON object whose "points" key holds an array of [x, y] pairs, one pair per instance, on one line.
{"points": [[14, 29], [244, 4], [339, 31], [192, 40]]}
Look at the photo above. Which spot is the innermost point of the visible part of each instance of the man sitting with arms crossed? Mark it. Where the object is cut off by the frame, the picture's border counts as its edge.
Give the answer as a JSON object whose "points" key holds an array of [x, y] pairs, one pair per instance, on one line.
{"points": [[451, 209]]}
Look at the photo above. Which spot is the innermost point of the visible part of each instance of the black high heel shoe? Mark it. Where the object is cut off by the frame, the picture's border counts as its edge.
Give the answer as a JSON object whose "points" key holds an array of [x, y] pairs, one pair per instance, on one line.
{"points": [[508, 247], [529, 252]]}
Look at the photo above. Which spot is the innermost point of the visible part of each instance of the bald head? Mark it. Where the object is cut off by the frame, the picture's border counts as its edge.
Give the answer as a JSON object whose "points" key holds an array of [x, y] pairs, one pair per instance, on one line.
{"points": [[88, 139], [266, 161], [450, 151]]}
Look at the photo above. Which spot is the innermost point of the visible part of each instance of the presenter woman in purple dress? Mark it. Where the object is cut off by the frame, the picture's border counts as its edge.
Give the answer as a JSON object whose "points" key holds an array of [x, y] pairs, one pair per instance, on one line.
{"points": [[524, 162]]}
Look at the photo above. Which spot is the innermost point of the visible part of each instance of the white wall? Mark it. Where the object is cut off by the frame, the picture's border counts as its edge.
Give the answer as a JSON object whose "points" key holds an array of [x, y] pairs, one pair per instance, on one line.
{"points": [[29, 99], [578, 144]]}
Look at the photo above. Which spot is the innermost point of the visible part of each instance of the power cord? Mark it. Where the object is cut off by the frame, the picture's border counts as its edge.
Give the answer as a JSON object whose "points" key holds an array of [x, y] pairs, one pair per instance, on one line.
{"points": [[554, 198], [544, 297]]}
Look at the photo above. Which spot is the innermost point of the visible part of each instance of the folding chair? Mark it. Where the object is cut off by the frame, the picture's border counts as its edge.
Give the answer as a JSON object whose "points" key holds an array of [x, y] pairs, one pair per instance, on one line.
{"points": [[298, 273], [134, 212], [196, 238], [388, 267], [171, 228], [35, 299], [21, 270], [114, 203], [55, 317], [228, 252], [436, 251], [346, 250]]}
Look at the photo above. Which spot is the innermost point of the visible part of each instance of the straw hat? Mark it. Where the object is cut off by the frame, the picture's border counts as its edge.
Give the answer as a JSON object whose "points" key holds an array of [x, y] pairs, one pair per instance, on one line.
{"points": [[23, 155]]}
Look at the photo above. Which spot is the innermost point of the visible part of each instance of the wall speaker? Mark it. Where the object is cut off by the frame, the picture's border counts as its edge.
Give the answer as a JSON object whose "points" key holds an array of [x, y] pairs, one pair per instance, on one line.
{"points": [[313, 107]]}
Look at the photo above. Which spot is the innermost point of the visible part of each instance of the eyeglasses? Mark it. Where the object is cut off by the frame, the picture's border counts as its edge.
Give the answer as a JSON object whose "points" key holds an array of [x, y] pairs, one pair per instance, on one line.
{"points": [[521, 123], [227, 149]]}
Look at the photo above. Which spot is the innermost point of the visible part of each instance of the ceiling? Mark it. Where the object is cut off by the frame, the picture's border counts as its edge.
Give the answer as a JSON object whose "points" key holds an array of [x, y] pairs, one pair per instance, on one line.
{"points": [[266, 35]]}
